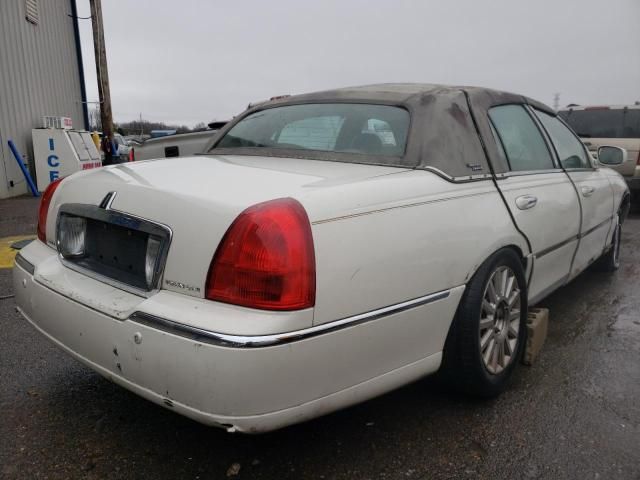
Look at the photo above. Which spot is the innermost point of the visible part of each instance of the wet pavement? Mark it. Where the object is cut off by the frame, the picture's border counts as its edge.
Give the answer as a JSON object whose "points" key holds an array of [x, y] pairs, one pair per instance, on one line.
{"points": [[574, 414]]}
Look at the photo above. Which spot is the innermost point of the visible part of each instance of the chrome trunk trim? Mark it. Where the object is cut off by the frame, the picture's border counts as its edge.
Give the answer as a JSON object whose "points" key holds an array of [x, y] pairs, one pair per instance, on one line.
{"points": [[106, 214]]}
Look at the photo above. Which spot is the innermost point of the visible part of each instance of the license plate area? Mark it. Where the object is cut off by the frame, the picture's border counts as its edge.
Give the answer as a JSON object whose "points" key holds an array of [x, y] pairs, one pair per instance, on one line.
{"points": [[127, 250], [115, 252]]}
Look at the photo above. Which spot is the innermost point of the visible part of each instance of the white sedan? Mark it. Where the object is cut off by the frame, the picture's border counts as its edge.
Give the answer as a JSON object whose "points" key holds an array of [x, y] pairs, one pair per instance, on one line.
{"points": [[328, 248]]}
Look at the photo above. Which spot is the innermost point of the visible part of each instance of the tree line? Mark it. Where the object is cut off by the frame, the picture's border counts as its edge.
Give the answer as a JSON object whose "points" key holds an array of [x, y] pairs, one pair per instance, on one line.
{"points": [[140, 127], [144, 127]]}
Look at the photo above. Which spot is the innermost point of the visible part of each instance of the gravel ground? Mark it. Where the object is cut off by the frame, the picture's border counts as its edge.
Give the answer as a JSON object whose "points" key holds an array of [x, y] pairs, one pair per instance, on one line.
{"points": [[574, 414]]}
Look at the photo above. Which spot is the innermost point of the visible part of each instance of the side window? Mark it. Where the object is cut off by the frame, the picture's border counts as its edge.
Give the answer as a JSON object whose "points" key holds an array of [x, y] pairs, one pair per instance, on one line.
{"points": [[570, 150], [521, 140], [496, 137]]}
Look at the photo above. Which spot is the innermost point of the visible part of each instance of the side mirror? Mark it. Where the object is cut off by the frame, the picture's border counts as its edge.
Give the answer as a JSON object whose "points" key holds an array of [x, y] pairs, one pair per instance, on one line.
{"points": [[608, 155]]}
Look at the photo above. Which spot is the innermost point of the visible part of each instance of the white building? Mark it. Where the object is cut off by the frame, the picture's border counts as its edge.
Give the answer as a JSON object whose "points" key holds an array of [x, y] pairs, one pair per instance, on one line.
{"points": [[40, 74]]}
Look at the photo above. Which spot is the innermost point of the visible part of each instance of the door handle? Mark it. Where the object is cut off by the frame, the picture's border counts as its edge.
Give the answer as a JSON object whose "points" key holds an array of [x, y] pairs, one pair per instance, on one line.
{"points": [[526, 202], [587, 190]]}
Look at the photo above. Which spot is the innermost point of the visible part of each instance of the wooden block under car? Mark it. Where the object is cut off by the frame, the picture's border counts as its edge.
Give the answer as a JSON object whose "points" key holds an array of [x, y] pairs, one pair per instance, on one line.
{"points": [[537, 321]]}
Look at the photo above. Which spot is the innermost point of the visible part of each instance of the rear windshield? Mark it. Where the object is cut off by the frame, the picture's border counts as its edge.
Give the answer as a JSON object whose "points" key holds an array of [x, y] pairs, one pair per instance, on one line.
{"points": [[378, 130], [604, 122]]}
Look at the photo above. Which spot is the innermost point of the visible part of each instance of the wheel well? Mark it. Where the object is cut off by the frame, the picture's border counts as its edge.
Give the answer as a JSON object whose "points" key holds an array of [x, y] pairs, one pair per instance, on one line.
{"points": [[515, 248], [523, 259]]}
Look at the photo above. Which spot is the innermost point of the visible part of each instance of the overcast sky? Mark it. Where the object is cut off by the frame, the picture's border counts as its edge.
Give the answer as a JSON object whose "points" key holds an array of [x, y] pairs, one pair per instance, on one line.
{"points": [[192, 61]]}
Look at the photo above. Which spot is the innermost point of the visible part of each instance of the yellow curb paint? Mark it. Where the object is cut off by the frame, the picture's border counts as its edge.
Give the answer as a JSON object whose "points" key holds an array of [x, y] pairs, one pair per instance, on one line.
{"points": [[7, 254]]}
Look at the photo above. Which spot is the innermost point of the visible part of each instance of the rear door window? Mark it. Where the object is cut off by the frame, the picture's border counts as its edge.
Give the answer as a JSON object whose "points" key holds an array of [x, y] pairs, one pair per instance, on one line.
{"points": [[521, 139], [570, 150]]}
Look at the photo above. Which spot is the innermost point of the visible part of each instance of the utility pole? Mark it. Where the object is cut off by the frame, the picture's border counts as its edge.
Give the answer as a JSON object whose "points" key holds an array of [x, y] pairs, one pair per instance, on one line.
{"points": [[101, 68], [556, 101]]}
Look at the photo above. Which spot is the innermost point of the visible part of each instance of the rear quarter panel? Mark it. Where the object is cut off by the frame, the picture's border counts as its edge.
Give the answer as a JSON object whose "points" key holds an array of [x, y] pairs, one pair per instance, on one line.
{"points": [[419, 234]]}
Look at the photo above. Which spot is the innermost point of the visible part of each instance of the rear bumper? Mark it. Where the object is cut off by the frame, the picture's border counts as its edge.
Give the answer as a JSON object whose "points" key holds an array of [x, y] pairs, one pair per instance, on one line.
{"points": [[244, 389]]}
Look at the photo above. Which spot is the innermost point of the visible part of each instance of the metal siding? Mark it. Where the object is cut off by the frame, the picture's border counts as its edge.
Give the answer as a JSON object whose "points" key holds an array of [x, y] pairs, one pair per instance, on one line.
{"points": [[39, 76]]}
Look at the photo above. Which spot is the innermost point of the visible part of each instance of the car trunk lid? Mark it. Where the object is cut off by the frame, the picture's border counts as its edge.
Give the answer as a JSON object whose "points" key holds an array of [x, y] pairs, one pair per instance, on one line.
{"points": [[198, 198]]}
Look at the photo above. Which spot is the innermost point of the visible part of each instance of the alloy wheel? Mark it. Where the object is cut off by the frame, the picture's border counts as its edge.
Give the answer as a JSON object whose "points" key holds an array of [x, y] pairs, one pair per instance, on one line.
{"points": [[500, 320]]}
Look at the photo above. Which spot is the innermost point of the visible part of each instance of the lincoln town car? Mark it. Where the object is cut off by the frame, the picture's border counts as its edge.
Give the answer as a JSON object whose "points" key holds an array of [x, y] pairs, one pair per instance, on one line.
{"points": [[324, 249]]}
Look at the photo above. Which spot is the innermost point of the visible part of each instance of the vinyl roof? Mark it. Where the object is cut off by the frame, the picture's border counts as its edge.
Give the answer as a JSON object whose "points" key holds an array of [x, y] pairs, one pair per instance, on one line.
{"points": [[447, 125], [404, 93], [399, 92]]}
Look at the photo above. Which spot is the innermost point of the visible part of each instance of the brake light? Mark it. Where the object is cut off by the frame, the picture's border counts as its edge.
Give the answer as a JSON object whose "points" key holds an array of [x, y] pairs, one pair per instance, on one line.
{"points": [[44, 209], [266, 259], [132, 155]]}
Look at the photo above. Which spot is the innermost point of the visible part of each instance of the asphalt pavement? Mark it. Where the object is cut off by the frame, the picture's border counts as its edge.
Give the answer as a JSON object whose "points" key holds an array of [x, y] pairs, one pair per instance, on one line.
{"points": [[574, 414]]}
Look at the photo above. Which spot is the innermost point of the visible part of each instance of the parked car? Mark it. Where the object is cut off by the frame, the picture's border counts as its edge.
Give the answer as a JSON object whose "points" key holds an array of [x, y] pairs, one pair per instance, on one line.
{"points": [[179, 145], [134, 140], [329, 247], [617, 125], [123, 148]]}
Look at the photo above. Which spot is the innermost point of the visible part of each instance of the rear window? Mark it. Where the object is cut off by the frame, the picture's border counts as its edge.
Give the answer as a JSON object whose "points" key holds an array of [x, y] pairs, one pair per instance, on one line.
{"points": [[379, 130], [604, 122]]}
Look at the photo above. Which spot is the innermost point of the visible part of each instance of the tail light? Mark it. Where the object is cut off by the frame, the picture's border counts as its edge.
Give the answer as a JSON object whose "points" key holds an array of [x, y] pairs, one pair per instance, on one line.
{"points": [[266, 259], [132, 155], [44, 209]]}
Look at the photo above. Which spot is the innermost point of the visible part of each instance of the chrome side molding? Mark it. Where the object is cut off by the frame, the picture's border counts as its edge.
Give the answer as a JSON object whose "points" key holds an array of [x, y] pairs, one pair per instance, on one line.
{"points": [[258, 341]]}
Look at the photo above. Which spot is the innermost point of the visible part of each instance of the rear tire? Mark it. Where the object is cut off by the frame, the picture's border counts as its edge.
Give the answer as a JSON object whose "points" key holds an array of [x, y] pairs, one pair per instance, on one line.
{"points": [[487, 337]]}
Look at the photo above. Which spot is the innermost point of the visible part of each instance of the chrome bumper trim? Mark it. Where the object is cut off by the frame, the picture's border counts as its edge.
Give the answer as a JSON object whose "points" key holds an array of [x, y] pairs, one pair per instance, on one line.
{"points": [[257, 341], [25, 264]]}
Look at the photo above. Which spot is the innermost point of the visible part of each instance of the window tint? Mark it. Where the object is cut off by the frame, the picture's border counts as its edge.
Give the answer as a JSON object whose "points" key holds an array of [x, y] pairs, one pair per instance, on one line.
{"points": [[522, 141], [335, 127], [604, 122], [570, 149]]}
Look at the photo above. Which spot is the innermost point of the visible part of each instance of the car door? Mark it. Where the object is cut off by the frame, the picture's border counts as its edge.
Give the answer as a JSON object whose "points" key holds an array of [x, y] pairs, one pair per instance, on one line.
{"points": [[594, 191], [540, 196]]}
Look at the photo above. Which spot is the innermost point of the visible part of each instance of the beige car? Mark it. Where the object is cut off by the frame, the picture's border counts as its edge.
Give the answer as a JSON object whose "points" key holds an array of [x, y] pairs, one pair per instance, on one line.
{"points": [[616, 125]]}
